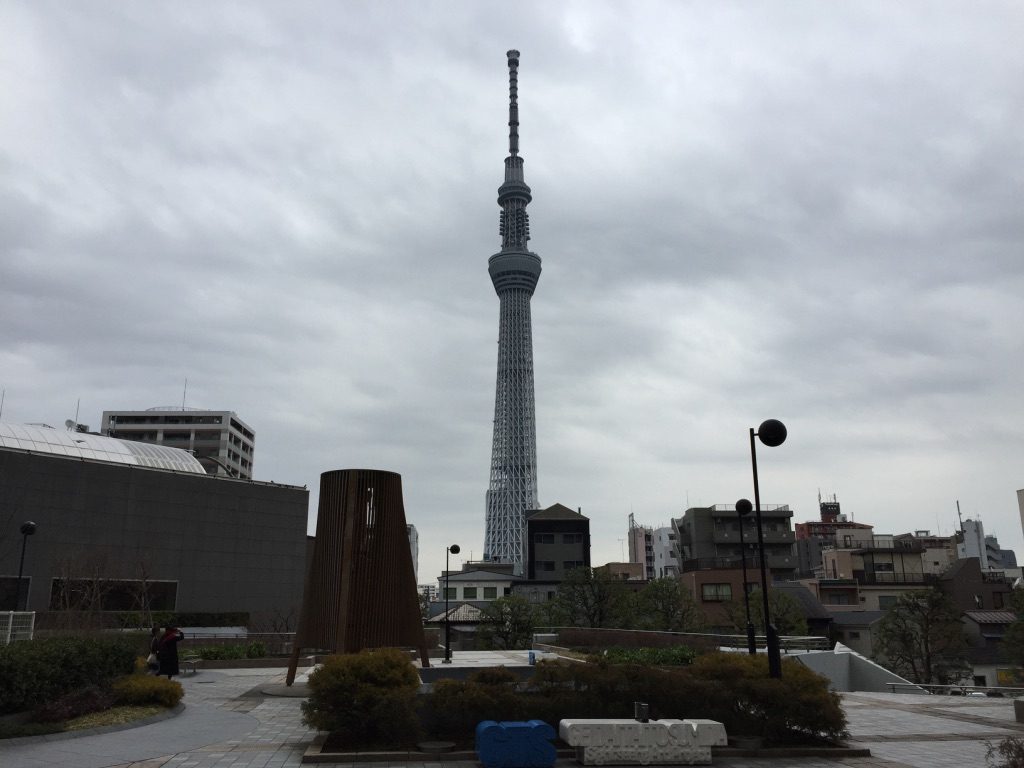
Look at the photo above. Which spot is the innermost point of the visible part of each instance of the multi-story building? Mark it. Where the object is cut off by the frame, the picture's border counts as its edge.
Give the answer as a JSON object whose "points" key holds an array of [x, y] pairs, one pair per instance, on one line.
{"points": [[222, 442], [653, 548], [812, 536], [709, 537], [558, 540], [132, 526]]}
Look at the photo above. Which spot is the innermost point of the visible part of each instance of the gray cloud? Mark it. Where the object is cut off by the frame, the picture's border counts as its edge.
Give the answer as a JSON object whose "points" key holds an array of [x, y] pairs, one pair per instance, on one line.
{"points": [[797, 211]]}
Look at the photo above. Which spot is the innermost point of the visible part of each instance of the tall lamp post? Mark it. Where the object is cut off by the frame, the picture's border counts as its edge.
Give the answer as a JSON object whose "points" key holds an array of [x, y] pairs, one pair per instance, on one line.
{"points": [[27, 529], [744, 508], [772, 433], [454, 550]]}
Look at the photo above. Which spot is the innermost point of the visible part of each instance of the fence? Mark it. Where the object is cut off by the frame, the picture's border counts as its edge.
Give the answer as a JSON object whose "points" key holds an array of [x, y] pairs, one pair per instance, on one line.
{"points": [[16, 625], [587, 636]]}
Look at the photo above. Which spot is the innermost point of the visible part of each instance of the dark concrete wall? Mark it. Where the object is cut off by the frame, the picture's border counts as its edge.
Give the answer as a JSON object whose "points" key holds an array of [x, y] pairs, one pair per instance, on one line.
{"points": [[231, 545]]}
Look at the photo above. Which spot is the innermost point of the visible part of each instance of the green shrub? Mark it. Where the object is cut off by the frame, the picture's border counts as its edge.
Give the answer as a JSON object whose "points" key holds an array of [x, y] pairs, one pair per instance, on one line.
{"points": [[253, 650], [454, 707], [364, 699], [673, 656], [37, 671], [798, 707], [732, 688], [139, 690], [74, 704]]}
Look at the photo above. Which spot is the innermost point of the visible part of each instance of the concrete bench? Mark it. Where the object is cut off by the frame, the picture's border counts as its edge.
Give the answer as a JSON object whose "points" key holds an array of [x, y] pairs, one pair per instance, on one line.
{"points": [[630, 742]]}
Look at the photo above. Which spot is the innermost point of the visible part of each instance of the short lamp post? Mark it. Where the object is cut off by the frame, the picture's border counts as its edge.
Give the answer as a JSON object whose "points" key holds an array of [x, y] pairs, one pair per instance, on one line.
{"points": [[454, 550], [744, 508], [772, 433], [27, 529]]}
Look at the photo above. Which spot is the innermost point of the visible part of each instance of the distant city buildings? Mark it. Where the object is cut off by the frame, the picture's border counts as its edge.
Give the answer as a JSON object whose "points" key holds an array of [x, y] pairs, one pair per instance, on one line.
{"points": [[222, 442], [653, 548]]}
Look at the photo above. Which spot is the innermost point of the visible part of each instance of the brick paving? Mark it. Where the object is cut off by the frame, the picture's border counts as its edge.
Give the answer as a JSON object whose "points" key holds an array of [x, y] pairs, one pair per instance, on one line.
{"points": [[229, 722]]}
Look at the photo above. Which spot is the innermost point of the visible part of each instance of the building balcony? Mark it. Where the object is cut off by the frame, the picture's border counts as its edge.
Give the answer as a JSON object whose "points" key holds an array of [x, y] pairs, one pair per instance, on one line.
{"points": [[773, 563], [876, 545], [880, 578], [726, 536]]}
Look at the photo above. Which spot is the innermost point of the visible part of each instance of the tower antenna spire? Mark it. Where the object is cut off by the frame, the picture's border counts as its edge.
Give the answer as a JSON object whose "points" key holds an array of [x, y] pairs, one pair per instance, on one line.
{"points": [[513, 103]]}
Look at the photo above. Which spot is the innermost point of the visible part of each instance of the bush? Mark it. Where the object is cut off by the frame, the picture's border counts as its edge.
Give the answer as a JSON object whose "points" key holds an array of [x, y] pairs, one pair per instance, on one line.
{"points": [[364, 699], [139, 690], [1009, 753], [455, 707], [798, 707], [38, 671], [253, 650], [673, 656], [732, 688], [74, 704]]}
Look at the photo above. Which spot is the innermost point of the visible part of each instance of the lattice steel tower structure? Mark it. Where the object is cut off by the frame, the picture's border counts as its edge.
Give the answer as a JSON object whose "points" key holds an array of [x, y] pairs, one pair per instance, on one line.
{"points": [[514, 272]]}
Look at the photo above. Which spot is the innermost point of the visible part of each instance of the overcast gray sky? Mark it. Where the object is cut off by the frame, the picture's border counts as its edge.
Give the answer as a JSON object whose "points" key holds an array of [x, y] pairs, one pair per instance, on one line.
{"points": [[803, 211]]}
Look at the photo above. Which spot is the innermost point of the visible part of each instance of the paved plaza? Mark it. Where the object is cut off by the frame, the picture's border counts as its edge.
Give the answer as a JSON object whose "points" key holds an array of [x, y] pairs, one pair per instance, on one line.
{"points": [[229, 722]]}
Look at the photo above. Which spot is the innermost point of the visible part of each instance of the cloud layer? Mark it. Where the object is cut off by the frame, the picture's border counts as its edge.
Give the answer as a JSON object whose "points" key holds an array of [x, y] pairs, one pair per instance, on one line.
{"points": [[800, 211]]}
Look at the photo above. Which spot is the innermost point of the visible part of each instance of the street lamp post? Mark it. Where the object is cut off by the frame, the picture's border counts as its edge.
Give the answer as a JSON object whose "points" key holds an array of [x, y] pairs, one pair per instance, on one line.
{"points": [[453, 549], [744, 508], [27, 529], [772, 433]]}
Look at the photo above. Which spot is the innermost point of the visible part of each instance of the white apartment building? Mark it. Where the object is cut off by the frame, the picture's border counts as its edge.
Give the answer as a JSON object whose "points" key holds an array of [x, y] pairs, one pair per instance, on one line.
{"points": [[222, 442]]}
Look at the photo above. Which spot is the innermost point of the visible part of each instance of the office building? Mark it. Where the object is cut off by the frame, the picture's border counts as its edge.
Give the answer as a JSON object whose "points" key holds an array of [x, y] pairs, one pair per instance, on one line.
{"points": [[128, 526], [222, 442]]}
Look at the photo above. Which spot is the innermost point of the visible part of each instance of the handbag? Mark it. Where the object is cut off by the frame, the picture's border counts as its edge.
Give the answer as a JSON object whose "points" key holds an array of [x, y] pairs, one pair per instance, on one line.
{"points": [[152, 662]]}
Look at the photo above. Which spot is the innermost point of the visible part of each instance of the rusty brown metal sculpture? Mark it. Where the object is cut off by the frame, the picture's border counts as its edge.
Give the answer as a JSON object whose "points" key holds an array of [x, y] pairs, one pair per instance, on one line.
{"points": [[360, 586]]}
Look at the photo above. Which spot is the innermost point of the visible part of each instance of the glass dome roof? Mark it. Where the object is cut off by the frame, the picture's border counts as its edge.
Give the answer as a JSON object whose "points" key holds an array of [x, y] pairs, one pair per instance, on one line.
{"points": [[44, 439]]}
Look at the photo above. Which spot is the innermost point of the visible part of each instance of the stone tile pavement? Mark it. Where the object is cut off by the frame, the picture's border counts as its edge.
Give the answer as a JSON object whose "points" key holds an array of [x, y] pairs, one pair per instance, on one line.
{"points": [[229, 722]]}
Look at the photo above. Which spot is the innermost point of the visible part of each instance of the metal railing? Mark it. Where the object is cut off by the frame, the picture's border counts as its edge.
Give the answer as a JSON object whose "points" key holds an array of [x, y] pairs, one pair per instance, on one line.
{"points": [[16, 625], [995, 691], [788, 643]]}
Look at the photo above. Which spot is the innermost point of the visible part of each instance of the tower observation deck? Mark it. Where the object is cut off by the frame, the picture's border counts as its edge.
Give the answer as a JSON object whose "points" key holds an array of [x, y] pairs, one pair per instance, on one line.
{"points": [[514, 272]]}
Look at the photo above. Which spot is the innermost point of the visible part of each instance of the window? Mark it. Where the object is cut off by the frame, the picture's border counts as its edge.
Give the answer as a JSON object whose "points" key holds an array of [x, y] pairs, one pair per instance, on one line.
{"points": [[854, 635], [570, 564], [572, 538], [449, 593], [469, 593], [716, 593], [545, 565], [507, 591], [887, 567], [544, 538], [112, 595], [885, 602], [490, 593]]}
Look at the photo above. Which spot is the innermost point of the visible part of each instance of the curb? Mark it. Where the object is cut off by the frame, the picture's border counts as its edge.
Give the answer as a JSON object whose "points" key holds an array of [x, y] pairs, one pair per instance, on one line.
{"points": [[101, 729]]}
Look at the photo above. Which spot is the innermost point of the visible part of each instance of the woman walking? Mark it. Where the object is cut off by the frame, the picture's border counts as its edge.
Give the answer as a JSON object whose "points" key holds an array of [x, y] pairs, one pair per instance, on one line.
{"points": [[166, 648]]}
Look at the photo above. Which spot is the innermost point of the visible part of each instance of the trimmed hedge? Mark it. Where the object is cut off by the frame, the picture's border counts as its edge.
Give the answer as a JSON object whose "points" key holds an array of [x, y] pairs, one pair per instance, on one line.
{"points": [[139, 690], [732, 688], [673, 656], [365, 699], [74, 704], [43, 670], [253, 650]]}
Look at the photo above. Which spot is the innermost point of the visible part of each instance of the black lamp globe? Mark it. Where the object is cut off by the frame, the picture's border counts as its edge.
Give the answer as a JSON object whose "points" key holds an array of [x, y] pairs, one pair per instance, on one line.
{"points": [[772, 433]]}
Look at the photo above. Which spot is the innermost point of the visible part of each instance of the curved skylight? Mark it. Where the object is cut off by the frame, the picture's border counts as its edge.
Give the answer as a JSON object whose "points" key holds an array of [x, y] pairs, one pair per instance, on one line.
{"points": [[61, 442]]}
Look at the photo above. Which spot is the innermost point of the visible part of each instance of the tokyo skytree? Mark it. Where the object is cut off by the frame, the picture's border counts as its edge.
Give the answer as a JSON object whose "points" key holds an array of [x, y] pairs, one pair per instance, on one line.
{"points": [[514, 272]]}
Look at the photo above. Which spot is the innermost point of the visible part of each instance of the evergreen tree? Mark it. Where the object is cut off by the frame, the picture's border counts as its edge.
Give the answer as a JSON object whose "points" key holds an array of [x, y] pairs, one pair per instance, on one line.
{"points": [[922, 638]]}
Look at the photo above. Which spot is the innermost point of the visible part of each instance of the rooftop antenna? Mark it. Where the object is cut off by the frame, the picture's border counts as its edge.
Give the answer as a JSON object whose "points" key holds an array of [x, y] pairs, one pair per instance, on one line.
{"points": [[3, 394], [183, 393], [959, 516], [78, 405]]}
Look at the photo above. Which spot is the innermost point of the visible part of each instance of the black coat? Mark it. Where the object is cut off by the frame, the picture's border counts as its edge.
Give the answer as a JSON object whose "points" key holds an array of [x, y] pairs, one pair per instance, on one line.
{"points": [[166, 649]]}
